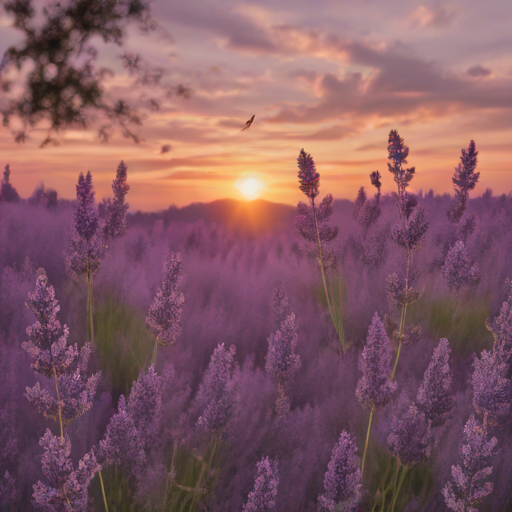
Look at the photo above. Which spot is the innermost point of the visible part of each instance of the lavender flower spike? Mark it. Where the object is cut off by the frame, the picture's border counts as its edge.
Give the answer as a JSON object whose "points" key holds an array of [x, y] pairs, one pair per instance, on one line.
{"points": [[342, 482], [375, 389], [217, 395], [309, 178], [115, 215], [434, 398], [263, 498], [164, 314], [410, 437], [68, 489], [282, 361], [458, 270], [469, 486], [47, 338], [491, 388], [86, 247]]}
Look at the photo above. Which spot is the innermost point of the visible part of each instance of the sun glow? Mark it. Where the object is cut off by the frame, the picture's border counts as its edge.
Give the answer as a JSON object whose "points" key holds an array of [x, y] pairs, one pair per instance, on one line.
{"points": [[250, 188]]}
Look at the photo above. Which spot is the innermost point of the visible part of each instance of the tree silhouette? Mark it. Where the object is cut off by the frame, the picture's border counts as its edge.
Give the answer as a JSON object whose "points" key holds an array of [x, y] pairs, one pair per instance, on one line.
{"points": [[63, 86]]}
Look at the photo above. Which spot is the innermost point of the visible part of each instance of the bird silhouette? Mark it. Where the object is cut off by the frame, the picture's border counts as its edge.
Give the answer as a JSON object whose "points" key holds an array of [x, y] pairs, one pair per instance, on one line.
{"points": [[248, 123]]}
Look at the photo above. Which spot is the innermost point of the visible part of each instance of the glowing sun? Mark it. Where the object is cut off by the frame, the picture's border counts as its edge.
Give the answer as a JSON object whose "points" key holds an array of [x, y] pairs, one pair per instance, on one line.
{"points": [[250, 188]]}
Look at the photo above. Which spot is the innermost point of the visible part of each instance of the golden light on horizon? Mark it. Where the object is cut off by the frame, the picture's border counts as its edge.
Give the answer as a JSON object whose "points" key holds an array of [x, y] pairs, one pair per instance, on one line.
{"points": [[250, 188]]}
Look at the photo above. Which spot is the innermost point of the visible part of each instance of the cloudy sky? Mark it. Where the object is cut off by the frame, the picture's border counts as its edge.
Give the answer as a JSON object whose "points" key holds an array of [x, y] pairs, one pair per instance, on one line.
{"points": [[330, 76]]}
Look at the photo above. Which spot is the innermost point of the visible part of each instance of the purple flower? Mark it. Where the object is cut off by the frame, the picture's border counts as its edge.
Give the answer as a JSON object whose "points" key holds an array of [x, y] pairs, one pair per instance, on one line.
{"points": [[458, 269], [164, 314], [491, 388], [305, 221], [76, 396], [145, 405], [47, 338], [434, 398], [501, 329], [469, 486], [308, 177], [398, 295], [365, 213], [218, 394], [375, 389], [54, 358], [282, 361], [342, 481], [263, 498], [397, 154], [115, 212], [280, 304], [68, 489], [412, 234], [122, 445], [464, 179], [86, 244], [410, 437]]}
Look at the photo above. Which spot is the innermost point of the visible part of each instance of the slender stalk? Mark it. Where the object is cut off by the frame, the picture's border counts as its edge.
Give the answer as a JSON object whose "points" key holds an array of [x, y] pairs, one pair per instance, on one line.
{"points": [[385, 491], [58, 399], [367, 440], [403, 315], [90, 308], [103, 491], [395, 494], [339, 331], [155, 350]]}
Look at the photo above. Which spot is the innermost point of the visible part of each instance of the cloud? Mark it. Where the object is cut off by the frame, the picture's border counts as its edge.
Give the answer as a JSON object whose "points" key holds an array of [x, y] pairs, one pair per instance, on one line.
{"points": [[370, 147], [201, 175], [478, 71], [437, 17], [165, 148]]}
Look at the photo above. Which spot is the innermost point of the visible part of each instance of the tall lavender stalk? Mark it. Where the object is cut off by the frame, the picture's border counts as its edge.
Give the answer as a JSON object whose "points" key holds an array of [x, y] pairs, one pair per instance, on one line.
{"points": [[88, 241], [470, 485], [375, 388], [409, 234], [86, 245], [164, 314], [282, 362], [66, 364], [434, 398], [312, 224], [342, 481], [114, 215], [464, 179], [263, 497]]}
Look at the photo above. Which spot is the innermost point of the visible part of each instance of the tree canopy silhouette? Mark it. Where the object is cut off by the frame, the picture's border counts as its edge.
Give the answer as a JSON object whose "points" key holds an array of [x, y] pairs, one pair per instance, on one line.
{"points": [[62, 85]]}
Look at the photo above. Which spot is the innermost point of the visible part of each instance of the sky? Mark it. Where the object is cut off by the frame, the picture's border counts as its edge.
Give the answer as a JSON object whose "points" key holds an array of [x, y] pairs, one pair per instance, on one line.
{"points": [[332, 77]]}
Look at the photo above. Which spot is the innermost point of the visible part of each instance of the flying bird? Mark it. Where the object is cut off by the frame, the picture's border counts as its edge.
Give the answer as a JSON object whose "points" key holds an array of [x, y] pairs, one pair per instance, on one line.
{"points": [[248, 123]]}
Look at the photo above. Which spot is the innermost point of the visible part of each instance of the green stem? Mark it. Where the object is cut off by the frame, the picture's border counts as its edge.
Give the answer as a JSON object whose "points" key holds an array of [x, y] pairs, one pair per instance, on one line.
{"points": [[339, 330], [395, 494], [367, 440], [103, 491], [385, 490], [91, 308], [155, 353], [58, 399], [402, 316]]}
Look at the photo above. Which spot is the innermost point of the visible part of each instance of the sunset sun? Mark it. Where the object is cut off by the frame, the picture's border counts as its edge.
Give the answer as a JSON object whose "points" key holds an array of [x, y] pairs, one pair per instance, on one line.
{"points": [[250, 188]]}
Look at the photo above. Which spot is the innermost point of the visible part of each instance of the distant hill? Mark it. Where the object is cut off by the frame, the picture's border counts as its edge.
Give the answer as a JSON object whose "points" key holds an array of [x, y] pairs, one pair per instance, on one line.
{"points": [[250, 218]]}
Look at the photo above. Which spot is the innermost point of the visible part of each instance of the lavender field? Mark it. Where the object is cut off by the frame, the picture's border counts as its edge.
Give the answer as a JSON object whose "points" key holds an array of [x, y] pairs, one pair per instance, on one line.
{"points": [[337, 356]]}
